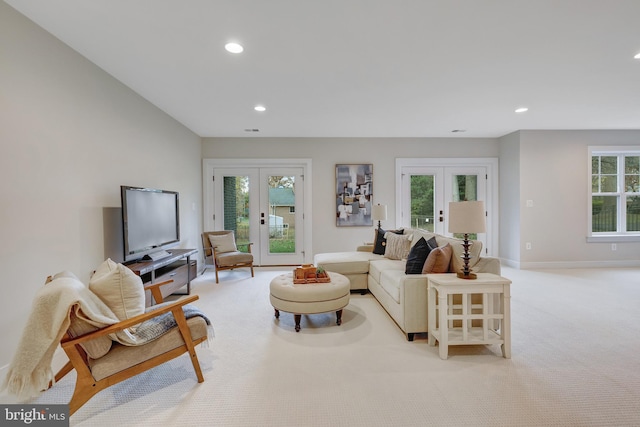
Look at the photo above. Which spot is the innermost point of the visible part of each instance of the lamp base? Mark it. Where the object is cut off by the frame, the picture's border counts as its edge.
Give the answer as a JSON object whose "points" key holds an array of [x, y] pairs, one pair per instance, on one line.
{"points": [[470, 276]]}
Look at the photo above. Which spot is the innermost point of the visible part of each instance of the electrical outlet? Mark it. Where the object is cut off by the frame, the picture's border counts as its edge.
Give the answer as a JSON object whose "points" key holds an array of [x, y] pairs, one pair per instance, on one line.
{"points": [[528, 246], [614, 247]]}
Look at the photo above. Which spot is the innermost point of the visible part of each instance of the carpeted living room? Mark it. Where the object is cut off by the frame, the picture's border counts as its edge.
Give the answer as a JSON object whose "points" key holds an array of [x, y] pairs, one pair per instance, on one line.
{"points": [[575, 341], [533, 104]]}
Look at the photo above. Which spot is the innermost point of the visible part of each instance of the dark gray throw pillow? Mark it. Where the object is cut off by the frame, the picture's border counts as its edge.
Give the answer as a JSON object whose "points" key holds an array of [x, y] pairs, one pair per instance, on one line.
{"points": [[418, 255]]}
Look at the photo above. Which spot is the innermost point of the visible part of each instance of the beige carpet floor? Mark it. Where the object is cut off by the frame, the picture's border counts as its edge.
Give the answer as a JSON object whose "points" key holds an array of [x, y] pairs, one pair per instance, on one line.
{"points": [[575, 362]]}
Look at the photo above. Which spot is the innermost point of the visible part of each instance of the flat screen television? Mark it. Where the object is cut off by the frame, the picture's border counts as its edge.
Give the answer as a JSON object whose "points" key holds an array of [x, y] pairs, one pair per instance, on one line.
{"points": [[150, 221]]}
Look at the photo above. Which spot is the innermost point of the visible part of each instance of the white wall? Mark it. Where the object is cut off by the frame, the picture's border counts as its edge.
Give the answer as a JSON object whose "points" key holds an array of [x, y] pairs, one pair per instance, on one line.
{"points": [[554, 168], [327, 152], [70, 135], [510, 199]]}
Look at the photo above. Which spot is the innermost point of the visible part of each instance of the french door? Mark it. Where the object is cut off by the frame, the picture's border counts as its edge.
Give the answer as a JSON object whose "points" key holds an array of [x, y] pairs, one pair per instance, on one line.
{"points": [[263, 205], [426, 190]]}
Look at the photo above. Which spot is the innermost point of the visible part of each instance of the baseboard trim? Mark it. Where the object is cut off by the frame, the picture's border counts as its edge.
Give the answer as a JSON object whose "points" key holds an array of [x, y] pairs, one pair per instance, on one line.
{"points": [[550, 265]]}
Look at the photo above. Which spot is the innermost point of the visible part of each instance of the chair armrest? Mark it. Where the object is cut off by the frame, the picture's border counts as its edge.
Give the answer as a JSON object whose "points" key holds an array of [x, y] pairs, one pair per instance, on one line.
{"points": [[124, 324]]}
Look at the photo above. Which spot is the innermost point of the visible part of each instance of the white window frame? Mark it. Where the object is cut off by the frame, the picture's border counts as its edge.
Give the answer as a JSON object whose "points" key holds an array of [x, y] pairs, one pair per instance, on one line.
{"points": [[620, 235]]}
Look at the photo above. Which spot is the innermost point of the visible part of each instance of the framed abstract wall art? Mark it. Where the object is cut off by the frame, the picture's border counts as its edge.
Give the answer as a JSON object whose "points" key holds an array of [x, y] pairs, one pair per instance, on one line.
{"points": [[354, 195]]}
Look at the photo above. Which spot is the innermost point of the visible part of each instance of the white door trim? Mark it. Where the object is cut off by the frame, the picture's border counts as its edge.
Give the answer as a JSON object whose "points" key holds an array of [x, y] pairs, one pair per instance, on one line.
{"points": [[208, 166], [492, 202]]}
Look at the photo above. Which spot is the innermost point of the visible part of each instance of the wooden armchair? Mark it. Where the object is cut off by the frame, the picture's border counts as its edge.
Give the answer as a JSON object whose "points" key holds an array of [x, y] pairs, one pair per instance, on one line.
{"points": [[221, 251], [122, 362]]}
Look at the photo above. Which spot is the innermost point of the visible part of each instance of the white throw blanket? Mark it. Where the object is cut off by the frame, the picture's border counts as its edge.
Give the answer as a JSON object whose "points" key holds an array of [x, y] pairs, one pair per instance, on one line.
{"points": [[30, 371]]}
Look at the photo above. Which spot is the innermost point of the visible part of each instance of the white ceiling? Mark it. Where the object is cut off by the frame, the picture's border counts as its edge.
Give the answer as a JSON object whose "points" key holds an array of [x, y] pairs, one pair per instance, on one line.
{"points": [[365, 68]]}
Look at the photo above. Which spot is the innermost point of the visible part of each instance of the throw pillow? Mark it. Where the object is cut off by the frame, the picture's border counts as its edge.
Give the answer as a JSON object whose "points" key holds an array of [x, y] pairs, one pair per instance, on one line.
{"points": [[223, 242], [438, 260], [417, 257], [379, 241], [119, 288], [398, 245]]}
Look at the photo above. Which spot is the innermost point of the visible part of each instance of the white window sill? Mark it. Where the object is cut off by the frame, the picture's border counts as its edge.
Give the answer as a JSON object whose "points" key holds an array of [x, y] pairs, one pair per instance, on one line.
{"points": [[613, 238]]}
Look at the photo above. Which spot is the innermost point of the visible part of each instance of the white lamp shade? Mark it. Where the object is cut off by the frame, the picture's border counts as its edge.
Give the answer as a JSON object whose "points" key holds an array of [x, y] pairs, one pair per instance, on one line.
{"points": [[467, 217], [379, 212]]}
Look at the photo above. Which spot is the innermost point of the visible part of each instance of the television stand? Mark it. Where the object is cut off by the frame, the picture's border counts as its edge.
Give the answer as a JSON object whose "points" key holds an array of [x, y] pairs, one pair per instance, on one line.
{"points": [[177, 266]]}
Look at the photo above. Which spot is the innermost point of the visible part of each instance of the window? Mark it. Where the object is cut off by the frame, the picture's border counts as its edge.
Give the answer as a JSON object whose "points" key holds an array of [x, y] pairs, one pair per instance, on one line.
{"points": [[615, 194]]}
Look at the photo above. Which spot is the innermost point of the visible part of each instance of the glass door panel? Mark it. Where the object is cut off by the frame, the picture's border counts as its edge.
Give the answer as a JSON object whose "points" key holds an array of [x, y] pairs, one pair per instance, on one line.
{"points": [[282, 214], [281, 229], [236, 208], [423, 211]]}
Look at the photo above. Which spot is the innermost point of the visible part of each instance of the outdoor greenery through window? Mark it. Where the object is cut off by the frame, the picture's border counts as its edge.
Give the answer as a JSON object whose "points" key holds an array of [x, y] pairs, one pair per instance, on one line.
{"points": [[615, 192]]}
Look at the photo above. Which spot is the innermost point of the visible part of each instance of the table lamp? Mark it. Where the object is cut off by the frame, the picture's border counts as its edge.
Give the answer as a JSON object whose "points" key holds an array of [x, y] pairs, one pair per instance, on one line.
{"points": [[466, 218], [379, 213]]}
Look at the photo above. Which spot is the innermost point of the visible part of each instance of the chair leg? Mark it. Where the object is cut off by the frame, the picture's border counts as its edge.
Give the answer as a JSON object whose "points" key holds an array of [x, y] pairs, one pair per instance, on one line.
{"points": [[217, 281], [252, 271]]}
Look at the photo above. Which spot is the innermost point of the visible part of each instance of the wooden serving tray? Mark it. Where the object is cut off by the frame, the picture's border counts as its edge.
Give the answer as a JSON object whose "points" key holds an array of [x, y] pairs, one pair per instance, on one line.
{"points": [[322, 279]]}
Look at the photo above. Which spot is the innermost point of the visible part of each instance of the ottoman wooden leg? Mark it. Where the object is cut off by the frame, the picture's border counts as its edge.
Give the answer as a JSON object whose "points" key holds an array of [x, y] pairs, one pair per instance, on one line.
{"points": [[297, 318], [339, 317], [277, 313]]}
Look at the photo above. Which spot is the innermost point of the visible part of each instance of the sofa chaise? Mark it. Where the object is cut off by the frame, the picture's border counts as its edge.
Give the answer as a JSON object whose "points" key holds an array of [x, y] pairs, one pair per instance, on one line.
{"points": [[402, 295]]}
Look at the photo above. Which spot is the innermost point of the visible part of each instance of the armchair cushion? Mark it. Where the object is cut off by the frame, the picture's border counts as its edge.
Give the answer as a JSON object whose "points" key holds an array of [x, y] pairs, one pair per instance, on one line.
{"points": [[223, 242], [233, 258], [121, 356]]}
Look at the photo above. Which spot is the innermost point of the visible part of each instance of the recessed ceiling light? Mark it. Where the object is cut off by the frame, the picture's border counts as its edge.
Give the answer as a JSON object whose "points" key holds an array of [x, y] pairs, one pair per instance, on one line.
{"points": [[637, 56], [522, 110], [260, 108], [233, 47]]}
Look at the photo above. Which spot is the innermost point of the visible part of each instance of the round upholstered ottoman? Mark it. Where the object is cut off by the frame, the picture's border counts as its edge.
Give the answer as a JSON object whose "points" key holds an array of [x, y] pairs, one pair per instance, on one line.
{"points": [[310, 298]]}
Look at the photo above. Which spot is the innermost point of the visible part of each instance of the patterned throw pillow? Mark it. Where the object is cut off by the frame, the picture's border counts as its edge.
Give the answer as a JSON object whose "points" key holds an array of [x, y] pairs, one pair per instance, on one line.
{"points": [[418, 255], [438, 260], [379, 242], [398, 245]]}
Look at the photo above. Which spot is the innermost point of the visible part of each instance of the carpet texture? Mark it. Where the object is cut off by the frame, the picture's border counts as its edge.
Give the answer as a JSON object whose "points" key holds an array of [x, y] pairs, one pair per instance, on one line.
{"points": [[575, 346]]}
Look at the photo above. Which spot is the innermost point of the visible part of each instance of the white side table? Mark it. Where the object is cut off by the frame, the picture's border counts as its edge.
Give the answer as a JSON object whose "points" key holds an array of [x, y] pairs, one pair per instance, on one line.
{"points": [[494, 312]]}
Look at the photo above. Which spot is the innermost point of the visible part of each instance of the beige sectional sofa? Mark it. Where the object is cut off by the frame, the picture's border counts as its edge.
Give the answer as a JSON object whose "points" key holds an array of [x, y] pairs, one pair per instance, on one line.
{"points": [[403, 296]]}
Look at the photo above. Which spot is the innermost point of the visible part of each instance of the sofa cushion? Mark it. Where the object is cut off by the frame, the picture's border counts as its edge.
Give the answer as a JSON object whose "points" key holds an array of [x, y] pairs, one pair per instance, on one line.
{"points": [[418, 255], [345, 262], [398, 245], [418, 234], [390, 281], [376, 267], [380, 242], [438, 260]]}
